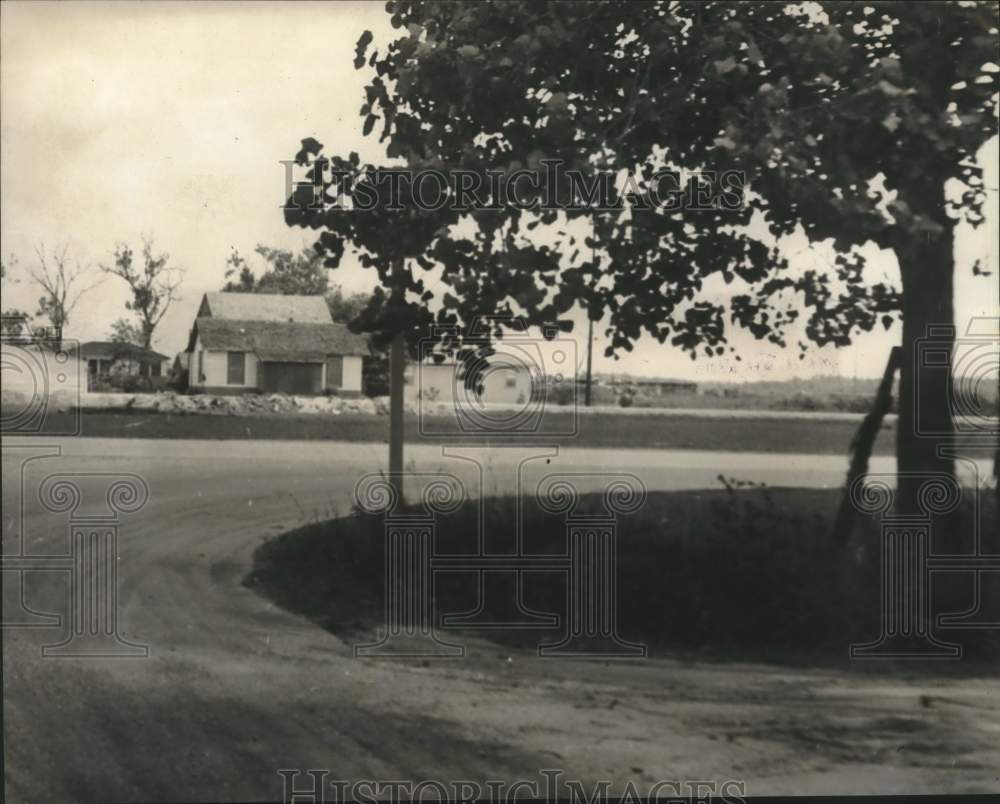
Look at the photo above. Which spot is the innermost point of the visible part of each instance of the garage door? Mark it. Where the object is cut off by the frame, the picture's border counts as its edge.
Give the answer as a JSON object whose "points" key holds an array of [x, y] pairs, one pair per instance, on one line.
{"points": [[292, 378]]}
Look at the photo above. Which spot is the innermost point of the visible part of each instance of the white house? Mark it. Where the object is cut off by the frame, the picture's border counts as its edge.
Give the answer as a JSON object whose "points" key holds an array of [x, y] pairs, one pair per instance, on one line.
{"points": [[248, 342], [104, 358]]}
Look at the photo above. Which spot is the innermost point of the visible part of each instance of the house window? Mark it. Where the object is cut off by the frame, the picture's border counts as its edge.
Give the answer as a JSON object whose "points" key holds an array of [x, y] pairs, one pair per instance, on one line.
{"points": [[155, 369], [92, 366], [235, 368]]}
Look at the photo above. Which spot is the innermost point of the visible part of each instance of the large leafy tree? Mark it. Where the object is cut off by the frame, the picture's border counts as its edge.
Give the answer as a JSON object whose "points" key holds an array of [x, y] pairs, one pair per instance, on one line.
{"points": [[125, 332], [284, 272], [853, 124]]}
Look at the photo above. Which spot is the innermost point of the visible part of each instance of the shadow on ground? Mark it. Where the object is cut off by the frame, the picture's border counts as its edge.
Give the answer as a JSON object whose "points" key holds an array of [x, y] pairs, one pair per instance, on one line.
{"points": [[746, 574]]}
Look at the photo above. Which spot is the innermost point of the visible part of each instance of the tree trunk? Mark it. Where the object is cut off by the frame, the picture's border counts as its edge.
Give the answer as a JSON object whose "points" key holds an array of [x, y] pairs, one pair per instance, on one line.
{"points": [[397, 367], [397, 379], [925, 424]]}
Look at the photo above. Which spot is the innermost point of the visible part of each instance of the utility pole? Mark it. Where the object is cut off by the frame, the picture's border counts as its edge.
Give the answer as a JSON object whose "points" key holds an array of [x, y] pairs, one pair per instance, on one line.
{"points": [[590, 357]]}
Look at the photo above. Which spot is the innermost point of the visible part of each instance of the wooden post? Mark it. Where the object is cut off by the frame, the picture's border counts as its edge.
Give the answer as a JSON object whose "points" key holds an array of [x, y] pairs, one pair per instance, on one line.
{"points": [[862, 444]]}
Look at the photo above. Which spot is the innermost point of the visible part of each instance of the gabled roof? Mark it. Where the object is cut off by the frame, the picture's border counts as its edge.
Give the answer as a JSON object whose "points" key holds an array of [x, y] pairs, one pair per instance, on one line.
{"points": [[283, 341], [265, 307], [106, 350]]}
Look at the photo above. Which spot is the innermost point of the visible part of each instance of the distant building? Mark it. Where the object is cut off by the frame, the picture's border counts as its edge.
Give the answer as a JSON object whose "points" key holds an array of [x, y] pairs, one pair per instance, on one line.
{"points": [[106, 358], [16, 329], [654, 387], [248, 342], [651, 386], [442, 382]]}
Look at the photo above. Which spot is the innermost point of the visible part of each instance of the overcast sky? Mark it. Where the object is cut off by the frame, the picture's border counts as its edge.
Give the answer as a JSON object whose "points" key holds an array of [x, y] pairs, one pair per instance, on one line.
{"points": [[171, 119]]}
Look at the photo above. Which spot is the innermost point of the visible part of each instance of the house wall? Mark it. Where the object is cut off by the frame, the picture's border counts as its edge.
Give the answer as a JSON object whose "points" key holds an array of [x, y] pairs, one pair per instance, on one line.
{"points": [[210, 370], [213, 374], [216, 371], [352, 374], [351, 380], [430, 382]]}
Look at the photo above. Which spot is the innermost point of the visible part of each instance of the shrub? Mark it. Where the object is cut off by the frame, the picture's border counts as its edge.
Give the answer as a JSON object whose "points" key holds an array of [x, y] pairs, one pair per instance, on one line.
{"points": [[178, 381], [740, 573], [561, 394], [127, 383]]}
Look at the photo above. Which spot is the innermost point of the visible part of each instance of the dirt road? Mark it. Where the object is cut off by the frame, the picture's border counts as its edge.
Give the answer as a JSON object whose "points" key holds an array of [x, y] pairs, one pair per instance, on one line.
{"points": [[235, 689]]}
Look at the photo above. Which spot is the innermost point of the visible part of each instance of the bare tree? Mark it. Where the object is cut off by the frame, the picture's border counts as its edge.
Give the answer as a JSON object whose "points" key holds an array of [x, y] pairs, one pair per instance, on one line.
{"points": [[63, 285], [152, 281]]}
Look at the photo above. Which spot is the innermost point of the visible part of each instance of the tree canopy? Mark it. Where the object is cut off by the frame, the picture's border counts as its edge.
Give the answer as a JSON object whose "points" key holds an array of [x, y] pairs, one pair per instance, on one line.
{"points": [[817, 107], [285, 272], [851, 123]]}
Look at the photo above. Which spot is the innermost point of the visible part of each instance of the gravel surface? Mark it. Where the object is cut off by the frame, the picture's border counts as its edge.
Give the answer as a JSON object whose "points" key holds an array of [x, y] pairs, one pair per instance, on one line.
{"points": [[235, 689]]}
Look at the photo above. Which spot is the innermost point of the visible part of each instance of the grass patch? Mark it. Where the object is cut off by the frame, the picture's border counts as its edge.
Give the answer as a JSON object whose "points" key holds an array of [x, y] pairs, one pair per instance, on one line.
{"points": [[610, 429], [748, 574]]}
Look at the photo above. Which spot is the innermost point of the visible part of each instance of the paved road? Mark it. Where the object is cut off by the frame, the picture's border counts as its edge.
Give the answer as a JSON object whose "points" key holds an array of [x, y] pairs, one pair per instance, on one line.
{"points": [[235, 689]]}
